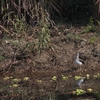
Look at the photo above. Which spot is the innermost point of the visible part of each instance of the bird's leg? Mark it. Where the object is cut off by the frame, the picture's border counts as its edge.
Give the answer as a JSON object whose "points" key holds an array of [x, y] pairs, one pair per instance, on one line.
{"points": [[80, 86], [77, 56]]}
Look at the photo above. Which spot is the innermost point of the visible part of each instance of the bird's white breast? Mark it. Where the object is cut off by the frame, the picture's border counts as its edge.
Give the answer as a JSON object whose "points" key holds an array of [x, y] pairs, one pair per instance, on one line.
{"points": [[80, 81], [78, 62]]}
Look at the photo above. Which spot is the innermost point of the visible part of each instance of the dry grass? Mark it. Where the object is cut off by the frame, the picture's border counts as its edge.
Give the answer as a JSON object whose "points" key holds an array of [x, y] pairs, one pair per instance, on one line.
{"points": [[32, 8]]}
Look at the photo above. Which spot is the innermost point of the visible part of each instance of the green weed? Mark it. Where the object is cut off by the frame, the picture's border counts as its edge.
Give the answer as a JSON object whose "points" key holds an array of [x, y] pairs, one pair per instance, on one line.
{"points": [[93, 39], [19, 25], [6, 78], [90, 90], [16, 80], [70, 36], [77, 77], [87, 76], [64, 77], [26, 78], [73, 36], [54, 78], [79, 92], [44, 37], [90, 27], [39, 81], [2, 58], [77, 37], [98, 95]]}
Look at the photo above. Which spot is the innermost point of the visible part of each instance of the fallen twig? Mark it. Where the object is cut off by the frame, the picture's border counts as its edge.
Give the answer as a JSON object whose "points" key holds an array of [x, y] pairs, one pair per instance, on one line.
{"points": [[4, 29]]}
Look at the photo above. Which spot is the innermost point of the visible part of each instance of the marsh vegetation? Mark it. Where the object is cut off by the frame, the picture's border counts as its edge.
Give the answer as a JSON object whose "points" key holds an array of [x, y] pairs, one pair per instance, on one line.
{"points": [[39, 43]]}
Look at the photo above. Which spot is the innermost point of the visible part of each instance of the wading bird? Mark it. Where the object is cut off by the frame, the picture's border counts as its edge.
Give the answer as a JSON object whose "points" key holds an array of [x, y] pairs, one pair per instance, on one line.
{"points": [[80, 82], [77, 60]]}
